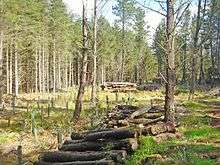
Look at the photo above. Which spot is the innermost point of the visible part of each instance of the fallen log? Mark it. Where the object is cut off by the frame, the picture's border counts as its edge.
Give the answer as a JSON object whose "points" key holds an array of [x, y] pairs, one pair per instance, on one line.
{"points": [[113, 134], [139, 113], [152, 115], [162, 128], [99, 162], [80, 136], [126, 144], [156, 109], [126, 107], [58, 156], [153, 121]]}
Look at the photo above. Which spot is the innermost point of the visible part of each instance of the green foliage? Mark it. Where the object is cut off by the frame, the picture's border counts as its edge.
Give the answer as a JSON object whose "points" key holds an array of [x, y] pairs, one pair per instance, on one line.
{"points": [[202, 132], [192, 105]]}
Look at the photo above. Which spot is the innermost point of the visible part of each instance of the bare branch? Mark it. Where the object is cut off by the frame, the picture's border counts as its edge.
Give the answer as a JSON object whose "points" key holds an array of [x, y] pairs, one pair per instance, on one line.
{"points": [[146, 7]]}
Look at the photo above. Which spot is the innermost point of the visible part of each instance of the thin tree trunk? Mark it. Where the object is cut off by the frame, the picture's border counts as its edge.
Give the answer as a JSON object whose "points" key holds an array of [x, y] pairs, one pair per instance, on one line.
{"points": [[66, 75], [11, 68], [40, 69], [194, 54], [202, 72], [7, 69], [1, 68], [94, 80], [70, 74], [59, 73], [43, 68], [79, 100], [184, 63], [218, 47], [54, 67], [16, 85], [36, 70], [170, 64]]}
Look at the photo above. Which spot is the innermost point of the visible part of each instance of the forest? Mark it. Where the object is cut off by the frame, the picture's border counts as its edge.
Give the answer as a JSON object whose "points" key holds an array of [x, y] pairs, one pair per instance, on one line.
{"points": [[106, 86]]}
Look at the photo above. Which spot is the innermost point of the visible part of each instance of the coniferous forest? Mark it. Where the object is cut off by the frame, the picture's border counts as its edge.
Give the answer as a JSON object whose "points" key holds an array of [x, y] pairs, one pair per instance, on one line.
{"points": [[81, 88]]}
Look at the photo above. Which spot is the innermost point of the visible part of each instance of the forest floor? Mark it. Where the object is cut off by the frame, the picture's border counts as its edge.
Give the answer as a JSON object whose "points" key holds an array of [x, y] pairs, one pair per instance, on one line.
{"points": [[198, 142]]}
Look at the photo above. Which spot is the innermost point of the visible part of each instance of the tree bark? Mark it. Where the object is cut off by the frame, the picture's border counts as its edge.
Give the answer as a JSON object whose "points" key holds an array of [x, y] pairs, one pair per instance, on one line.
{"points": [[81, 90], [57, 156], [7, 68], [36, 70], [194, 53], [11, 67], [99, 162], [126, 144], [54, 66], [16, 70], [94, 79], [170, 64], [1, 68]]}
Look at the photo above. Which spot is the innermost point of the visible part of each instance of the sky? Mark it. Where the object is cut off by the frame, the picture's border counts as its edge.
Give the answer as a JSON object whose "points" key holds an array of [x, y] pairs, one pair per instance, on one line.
{"points": [[152, 18]]}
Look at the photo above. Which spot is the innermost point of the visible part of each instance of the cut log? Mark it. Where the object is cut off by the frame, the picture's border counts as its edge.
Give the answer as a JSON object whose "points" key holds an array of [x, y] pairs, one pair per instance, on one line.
{"points": [[139, 121], [99, 162], [57, 156], [113, 134], [156, 109], [153, 121], [80, 136], [162, 128], [72, 141], [139, 113], [152, 115], [126, 107], [126, 144]]}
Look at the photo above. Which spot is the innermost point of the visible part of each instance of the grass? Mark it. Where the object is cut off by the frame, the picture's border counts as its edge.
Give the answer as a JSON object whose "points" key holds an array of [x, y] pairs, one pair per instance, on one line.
{"points": [[192, 105], [205, 134], [6, 137], [172, 152]]}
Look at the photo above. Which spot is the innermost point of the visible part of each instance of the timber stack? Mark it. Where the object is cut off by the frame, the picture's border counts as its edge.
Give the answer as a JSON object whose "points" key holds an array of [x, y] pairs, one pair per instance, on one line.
{"points": [[112, 143]]}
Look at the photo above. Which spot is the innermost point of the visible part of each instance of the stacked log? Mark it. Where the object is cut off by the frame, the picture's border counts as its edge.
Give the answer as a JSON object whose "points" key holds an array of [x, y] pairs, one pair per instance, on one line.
{"points": [[127, 115], [112, 144]]}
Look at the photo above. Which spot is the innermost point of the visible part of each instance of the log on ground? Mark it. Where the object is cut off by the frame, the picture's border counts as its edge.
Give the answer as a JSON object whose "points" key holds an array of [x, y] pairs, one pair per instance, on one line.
{"points": [[126, 144], [59, 156], [99, 162], [113, 134]]}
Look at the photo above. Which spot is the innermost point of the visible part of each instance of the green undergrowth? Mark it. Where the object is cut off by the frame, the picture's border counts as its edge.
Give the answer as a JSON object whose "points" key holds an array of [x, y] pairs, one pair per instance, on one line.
{"points": [[193, 105], [205, 134], [172, 152], [6, 137]]}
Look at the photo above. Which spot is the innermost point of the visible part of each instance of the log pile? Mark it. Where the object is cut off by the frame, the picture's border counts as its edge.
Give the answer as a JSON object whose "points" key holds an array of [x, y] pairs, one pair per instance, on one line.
{"points": [[112, 143], [149, 87], [126, 115], [119, 86]]}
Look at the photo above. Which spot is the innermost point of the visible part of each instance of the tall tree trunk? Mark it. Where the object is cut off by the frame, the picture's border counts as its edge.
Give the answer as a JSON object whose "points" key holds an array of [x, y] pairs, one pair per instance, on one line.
{"points": [[66, 75], [1, 68], [11, 68], [202, 72], [40, 69], [184, 63], [218, 46], [54, 66], [79, 100], [170, 64], [70, 74], [59, 73], [94, 78], [43, 68], [36, 70], [7, 69], [16, 84], [194, 53]]}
